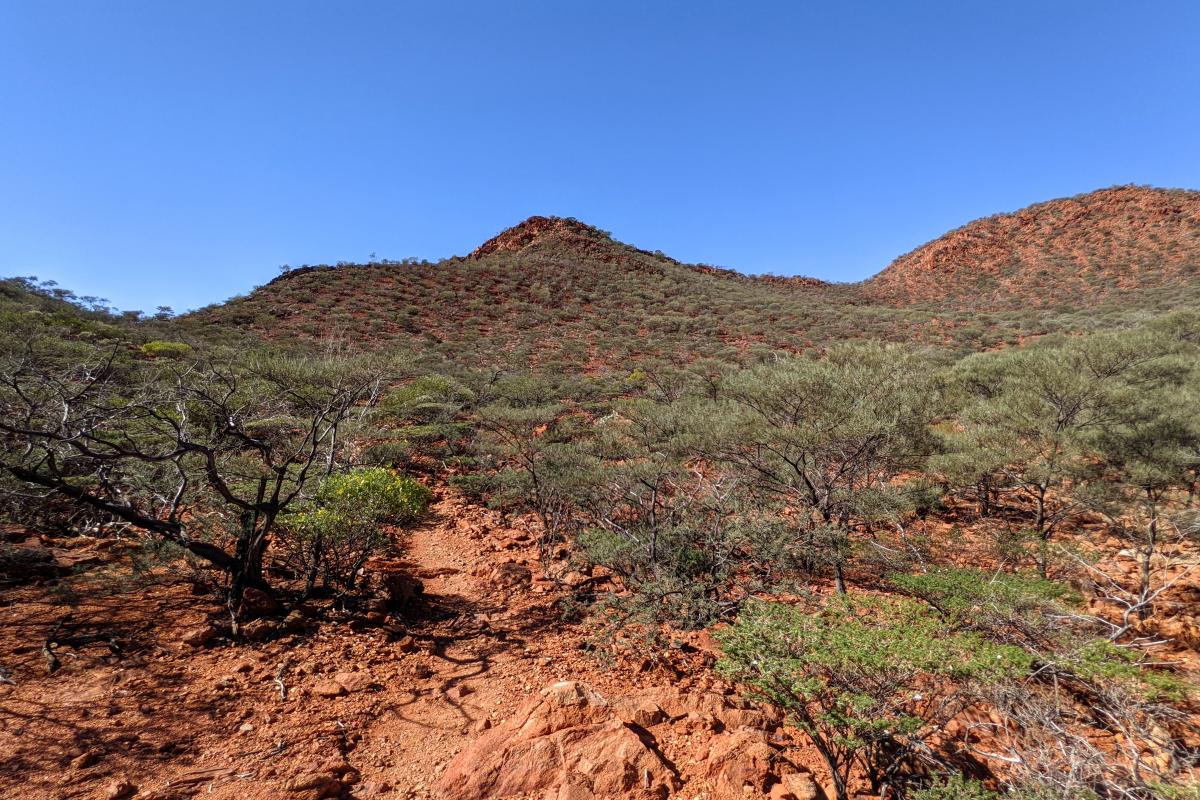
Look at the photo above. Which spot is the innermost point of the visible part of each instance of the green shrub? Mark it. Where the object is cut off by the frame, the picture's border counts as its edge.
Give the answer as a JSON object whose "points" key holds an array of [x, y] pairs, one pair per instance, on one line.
{"points": [[870, 682], [956, 787], [340, 529], [159, 349]]}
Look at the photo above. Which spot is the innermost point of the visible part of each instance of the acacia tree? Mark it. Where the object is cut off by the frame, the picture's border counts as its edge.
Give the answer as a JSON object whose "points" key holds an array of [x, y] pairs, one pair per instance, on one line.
{"points": [[825, 439], [533, 438], [1142, 460], [677, 531], [156, 443], [1027, 417]]}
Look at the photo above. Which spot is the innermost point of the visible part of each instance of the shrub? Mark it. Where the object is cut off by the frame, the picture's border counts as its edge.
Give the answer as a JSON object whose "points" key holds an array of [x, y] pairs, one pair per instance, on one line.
{"points": [[340, 529], [870, 682], [956, 787], [160, 349]]}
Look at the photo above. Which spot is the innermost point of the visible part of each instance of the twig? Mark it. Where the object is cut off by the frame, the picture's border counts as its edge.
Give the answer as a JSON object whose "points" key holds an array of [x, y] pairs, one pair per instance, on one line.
{"points": [[279, 684]]}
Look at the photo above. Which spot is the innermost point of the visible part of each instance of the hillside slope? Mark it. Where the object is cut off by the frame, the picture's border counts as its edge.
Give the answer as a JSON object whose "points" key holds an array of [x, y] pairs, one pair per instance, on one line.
{"points": [[1105, 246], [552, 292], [556, 293]]}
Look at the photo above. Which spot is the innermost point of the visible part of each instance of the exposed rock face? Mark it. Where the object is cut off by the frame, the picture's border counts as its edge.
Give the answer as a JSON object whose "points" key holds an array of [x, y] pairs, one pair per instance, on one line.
{"points": [[569, 743], [535, 230], [743, 763], [566, 739]]}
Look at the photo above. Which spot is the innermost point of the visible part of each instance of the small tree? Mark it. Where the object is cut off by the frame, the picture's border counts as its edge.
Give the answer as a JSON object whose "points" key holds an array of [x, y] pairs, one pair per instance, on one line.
{"points": [[425, 414], [206, 453], [679, 533], [826, 438], [341, 527], [1142, 460], [1030, 416], [534, 439], [870, 682]]}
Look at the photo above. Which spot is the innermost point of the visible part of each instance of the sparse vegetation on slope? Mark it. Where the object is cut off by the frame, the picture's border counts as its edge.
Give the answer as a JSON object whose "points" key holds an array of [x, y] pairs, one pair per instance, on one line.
{"points": [[943, 553], [1128, 244]]}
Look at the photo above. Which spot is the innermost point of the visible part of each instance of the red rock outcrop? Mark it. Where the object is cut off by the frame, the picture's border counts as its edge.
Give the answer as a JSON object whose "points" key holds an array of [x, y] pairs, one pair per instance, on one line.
{"points": [[567, 738], [571, 744]]}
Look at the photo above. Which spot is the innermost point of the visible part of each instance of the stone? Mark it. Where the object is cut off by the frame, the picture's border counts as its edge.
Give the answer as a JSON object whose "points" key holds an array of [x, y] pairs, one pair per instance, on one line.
{"points": [[313, 786], [575, 579], [256, 602], [801, 786], [743, 762], [119, 790], [328, 689], [354, 681], [642, 713], [511, 575], [460, 691], [401, 589], [198, 636], [295, 621], [257, 630], [566, 736]]}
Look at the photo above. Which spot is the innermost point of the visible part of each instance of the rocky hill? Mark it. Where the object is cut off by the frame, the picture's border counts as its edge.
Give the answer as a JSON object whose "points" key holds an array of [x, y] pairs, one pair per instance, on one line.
{"points": [[554, 292], [1104, 246], [551, 292]]}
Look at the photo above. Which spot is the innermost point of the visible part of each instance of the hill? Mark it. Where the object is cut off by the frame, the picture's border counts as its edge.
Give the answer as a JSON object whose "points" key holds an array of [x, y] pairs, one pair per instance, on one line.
{"points": [[553, 292], [1111, 245], [556, 293]]}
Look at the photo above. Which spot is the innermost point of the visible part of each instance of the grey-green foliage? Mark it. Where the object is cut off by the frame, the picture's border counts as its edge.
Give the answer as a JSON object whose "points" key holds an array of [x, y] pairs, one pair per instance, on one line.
{"points": [[678, 533], [1037, 423], [206, 451], [869, 681], [955, 787], [426, 416], [827, 437]]}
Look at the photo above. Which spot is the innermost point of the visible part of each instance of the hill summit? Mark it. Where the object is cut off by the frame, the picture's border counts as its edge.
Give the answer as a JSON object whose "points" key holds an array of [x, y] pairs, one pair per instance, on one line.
{"points": [[537, 230], [1082, 250]]}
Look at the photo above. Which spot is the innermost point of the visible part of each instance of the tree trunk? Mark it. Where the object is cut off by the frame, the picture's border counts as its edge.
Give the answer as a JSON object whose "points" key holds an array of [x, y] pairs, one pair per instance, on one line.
{"points": [[1147, 553], [250, 545], [1043, 534], [310, 582], [840, 791], [839, 577], [983, 491]]}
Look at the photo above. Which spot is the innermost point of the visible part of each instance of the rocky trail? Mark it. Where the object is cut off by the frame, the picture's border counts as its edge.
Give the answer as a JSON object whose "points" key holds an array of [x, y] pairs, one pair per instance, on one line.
{"points": [[478, 688]]}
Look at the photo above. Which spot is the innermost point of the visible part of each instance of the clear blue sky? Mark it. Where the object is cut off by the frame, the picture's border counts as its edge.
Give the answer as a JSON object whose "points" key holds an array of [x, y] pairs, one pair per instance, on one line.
{"points": [[177, 152]]}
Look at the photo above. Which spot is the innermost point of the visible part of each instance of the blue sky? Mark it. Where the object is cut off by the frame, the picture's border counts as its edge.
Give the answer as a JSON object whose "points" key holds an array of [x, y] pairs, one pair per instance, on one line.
{"points": [[175, 153]]}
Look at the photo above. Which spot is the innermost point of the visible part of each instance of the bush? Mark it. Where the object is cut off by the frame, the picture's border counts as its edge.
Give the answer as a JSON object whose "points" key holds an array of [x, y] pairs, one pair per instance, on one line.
{"points": [[956, 788], [870, 683], [334, 536], [166, 349]]}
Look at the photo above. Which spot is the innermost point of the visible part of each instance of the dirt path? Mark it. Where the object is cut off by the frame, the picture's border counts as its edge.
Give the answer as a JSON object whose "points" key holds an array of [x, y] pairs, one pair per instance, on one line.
{"points": [[174, 720]]}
